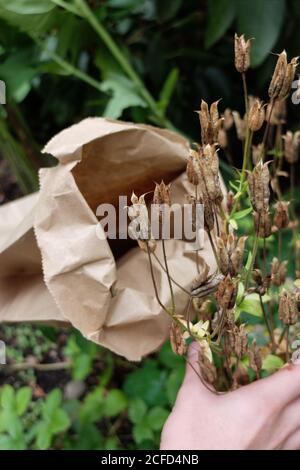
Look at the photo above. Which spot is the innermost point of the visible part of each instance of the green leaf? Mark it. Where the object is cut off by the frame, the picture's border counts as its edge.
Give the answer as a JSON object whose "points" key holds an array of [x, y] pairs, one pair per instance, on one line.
{"points": [[36, 22], [60, 421], [17, 73], [168, 89], [168, 358], [52, 402], [250, 304], [27, 7], [44, 436], [146, 383], [124, 95], [261, 20], [23, 397], [137, 410], [115, 402], [82, 366], [221, 14], [142, 432], [8, 397], [272, 362], [157, 417], [92, 408], [174, 382]]}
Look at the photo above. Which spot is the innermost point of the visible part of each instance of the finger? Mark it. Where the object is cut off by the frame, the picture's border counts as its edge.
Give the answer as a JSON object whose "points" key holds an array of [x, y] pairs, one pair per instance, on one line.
{"points": [[289, 418], [279, 389], [293, 442], [193, 380]]}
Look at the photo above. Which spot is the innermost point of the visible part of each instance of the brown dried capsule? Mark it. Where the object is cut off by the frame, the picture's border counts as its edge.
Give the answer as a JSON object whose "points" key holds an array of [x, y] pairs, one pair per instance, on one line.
{"points": [[288, 307], [190, 169], [222, 139], [283, 77], [291, 146], [238, 340], [278, 272], [177, 341], [162, 194], [206, 166], [256, 115], [259, 180], [255, 360], [231, 252], [226, 293], [242, 49], [262, 223], [210, 122], [257, 153], [276, 112], [281, 216]]}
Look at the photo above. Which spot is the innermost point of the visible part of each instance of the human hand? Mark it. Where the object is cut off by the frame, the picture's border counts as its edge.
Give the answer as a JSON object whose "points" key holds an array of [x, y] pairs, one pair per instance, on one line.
{"points": [[262, 415]]}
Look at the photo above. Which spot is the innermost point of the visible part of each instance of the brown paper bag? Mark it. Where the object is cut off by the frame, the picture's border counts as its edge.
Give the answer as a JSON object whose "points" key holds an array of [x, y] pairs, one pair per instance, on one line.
{"points": [[53, 267]]}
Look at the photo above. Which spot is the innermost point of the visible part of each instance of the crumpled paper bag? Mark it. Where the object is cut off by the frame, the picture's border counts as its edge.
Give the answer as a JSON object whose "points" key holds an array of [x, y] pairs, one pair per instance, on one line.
{"points": [[54, 268]]}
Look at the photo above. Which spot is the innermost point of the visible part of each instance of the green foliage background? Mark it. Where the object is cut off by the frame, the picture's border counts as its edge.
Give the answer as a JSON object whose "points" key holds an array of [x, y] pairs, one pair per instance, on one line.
{"points": [[141, 60]]}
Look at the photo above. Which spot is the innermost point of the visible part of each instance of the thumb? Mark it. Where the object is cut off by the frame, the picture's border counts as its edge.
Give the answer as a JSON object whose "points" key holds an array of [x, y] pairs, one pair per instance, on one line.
{"points": [[193, 374]]}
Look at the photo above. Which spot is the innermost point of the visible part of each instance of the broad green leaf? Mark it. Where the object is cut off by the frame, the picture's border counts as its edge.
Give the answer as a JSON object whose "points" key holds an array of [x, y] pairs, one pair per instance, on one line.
{"points": [[115, 402], [241, 214], [168, 89], [52, 402], [31, 23], [93, 406], [157, 417], [272, 362], [59, 421], [124, 95], [250, 304], [221, 14], [27, 7], [142, 432], [137, 410], [168, 358], [82, 366], [44, 436], [23, 397], [174, 382], [8, 397], [263, 21]]}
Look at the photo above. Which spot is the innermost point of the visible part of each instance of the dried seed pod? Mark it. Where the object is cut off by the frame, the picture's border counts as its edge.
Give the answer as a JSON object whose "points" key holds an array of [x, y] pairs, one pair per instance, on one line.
{"points": [[210, 122], [240, 125], [231, 252], [238, 340], [162, 194], [203, 275], [190, 169], [281, 216], [227, 119], [259, 180], [226, 293], [291, 146], [278, 272], [276, 112], [177, 341], [256, 115], [152, 245], [206, 165], [203, 308], [242, 49], [257, 153], [288, 307], [283, 77], [140, 228], [207, 368], [255, 360], [262, 224]]}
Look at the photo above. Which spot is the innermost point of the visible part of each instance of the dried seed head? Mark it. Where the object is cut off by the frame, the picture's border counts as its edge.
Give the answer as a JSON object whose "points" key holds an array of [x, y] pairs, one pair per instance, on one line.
{"points": [[256, 115], [162, 194], [242, 49], [238, 340], [255, 360], [288, 307], [139, 228], [206, 165], [231, 252], [283, 77], [202, 277], [207, 368], [257, 277], [210, 122], [278, 114], [291, 146], [226, 293], [149, 244], [259, 180], [278, 272], [177, 341], [281, 216], [228, 119], [257, 153], [203, 308], [190, 169], [240, 125], [263, 224]]}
